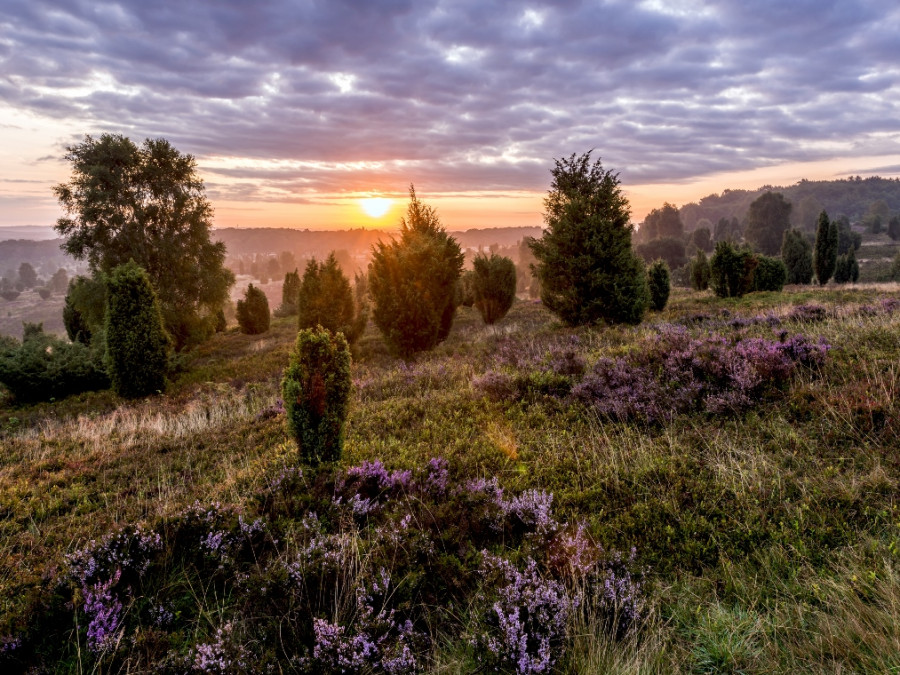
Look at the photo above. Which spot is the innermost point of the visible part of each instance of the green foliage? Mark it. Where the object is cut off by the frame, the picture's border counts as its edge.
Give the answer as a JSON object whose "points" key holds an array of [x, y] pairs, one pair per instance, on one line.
{"points": [[701, 239], [253, 311], [770, 275], [768, 218], [290, 295], [847, 238], [413, 282], [147, 204], [700, 271], [316, 390], [493, 286], [670, 249], [796, 252], [465, 289], [84, 312], [27, 275], [732, 270], [44, 367], [662, 223], [659, 284], [586, 267], [137, 347], [326, 299], [825, 250], [846, 268], [727, 230]]}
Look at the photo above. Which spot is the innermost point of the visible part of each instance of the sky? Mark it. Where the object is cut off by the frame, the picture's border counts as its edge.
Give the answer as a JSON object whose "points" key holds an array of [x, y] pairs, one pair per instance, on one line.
{"points": [[297, 109]]}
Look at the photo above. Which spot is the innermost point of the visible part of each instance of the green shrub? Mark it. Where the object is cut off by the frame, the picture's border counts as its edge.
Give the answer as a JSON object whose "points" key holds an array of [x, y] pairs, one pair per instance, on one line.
{"points": [[770, 274], [253, 311], [659, 283], [732, 270], [587, 269], [326, 299], [493, 286], [846, 268], [43, 367], [413, 282], [137, 346], [290, 294], [84, 312], [465, 289], [796, 252], [826, 248], [316, 389], [700, 271]]}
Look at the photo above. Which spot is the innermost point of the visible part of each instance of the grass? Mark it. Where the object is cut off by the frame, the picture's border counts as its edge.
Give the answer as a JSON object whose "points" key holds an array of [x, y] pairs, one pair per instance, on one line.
{"points": [[770, 537]]}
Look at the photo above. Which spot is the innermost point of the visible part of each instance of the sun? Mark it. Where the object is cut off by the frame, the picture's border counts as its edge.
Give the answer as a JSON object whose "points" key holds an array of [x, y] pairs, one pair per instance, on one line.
{"points": [[375, 207]]}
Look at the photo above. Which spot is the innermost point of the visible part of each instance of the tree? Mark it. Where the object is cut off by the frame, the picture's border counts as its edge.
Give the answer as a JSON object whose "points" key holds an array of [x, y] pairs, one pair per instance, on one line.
{"points": [[659, 283], [137, 347], [893, 228], [846, 269], [290, 294], [412, 281], [700, 271], [770, 274], [586, 267], [727, 230], [731, 270], [767, 220], [147, 204], [701, 239], [326, 299], [825, 249], [662, 222], [253, 311], [847, 238], [796, 252], [670, 249], [316, 390], [59, 282], [84, 311], [493, 286], [27, 275]]}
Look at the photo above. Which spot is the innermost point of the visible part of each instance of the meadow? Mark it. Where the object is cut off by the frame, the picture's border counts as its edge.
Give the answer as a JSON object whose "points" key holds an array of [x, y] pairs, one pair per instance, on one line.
{"points": [[713, 491]]}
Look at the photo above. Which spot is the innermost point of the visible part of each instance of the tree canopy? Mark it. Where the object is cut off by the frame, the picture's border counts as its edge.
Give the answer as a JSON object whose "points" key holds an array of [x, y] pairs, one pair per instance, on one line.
{"points": [[768, 219], [147, 204]]}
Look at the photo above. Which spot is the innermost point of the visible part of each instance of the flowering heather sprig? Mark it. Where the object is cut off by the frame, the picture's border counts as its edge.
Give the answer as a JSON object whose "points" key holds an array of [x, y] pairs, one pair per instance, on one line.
{"points": [[807, 314], [526, 625], [9, 644], [129, 550], [534, 509], [104, 612], [437, 477], [288, 475], [613, 592], [890, 305], [374, 475], [220, 656], [495, 385]]}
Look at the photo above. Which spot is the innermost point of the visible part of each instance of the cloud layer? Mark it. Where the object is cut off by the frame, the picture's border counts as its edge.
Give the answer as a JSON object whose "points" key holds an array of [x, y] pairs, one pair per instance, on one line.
{"points": [[303, 97]]}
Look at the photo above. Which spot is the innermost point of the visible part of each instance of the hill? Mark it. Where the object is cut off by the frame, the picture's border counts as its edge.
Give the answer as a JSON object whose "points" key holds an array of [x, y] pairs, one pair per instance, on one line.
{"points": [[851, 197]]}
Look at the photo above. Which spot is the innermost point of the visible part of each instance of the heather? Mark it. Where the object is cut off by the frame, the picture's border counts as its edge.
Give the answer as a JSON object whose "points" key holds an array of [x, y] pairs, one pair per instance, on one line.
{"points": [[710, 491]]}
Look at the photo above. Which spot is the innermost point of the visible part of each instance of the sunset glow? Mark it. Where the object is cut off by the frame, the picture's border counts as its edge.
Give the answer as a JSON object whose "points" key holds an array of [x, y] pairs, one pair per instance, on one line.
{"points": [[375, 207]]}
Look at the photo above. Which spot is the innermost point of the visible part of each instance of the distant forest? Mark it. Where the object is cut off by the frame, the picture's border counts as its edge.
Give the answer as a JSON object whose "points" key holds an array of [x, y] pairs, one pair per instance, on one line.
{"points": [[851, 197]]}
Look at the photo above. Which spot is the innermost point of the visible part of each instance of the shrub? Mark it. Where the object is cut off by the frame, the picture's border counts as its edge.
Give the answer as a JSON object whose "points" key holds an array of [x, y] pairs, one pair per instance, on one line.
{"points": [[825, 250], [137, 346], [316, 389], [326, 299], [796, 252], [659, 284], [846, 268], [45, 293], [44, 367], [84, 312], [10, 295], [465, 289], [290, 295], [700, 271], [493, 286], [586, 267], [413, 282], [253, 311], [731, 270], [770, 274]]}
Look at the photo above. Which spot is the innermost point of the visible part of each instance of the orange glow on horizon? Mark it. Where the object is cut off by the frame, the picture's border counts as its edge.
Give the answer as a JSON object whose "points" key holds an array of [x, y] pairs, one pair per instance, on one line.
{"points": [[375, 207]]}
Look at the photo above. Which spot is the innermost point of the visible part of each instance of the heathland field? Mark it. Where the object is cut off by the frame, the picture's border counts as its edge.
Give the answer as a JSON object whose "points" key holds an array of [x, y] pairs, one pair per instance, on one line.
{"points": [[715, 490]]}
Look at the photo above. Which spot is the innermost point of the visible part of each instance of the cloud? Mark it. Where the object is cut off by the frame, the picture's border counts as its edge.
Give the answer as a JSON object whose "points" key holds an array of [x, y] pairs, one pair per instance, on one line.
{"points": [[463, 95]]}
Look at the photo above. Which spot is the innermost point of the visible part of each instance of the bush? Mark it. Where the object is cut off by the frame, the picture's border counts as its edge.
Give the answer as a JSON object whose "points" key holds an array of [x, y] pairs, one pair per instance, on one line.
{"points": [[84, 312], [846, 268], [326, 299], [316, 389], [413, 282], [659, 283], [44, 367], [10, 295], [825, 250], [770, 274], [796, 252], [137, 346], [290, 295], [45, 293], [465, 289], [586, 267], [493, 286], [253, 311], [732, 270], [700, 271]]}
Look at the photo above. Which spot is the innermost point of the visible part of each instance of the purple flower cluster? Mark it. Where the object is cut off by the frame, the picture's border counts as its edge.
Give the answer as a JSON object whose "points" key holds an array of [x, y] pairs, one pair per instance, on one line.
{"points": [[437, 477], [807, 314], [613, 593], [533, 509], [527, 623], [104, 611], [678, 374], [220, 656], [129, 550]]}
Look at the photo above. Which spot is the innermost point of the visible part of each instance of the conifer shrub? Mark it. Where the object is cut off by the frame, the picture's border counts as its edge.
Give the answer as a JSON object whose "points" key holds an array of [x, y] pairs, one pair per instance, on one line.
{"points": [[412, 281], [846, 268], [84, 311], [253, 311], [316, 390], [137, 346], [326, 299], [290, 294], [770, 274], [493, 286], [700, 272], [660, 284], [43, 367], [732, 270], [465, 289], [826, 249], [796, 252]]}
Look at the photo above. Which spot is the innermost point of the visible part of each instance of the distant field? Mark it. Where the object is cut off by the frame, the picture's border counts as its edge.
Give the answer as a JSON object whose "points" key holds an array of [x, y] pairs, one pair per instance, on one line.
{"points": [[29, 307]]}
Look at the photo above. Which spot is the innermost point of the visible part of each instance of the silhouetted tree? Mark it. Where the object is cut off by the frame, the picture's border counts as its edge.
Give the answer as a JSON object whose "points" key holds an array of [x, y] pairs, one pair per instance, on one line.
{"points": [[586, 267], [659, 284], [253, 311], [796, 252], [326, 299], [700, 271], [767, 220], [27, 275], [493, 286], [825, 250]]}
